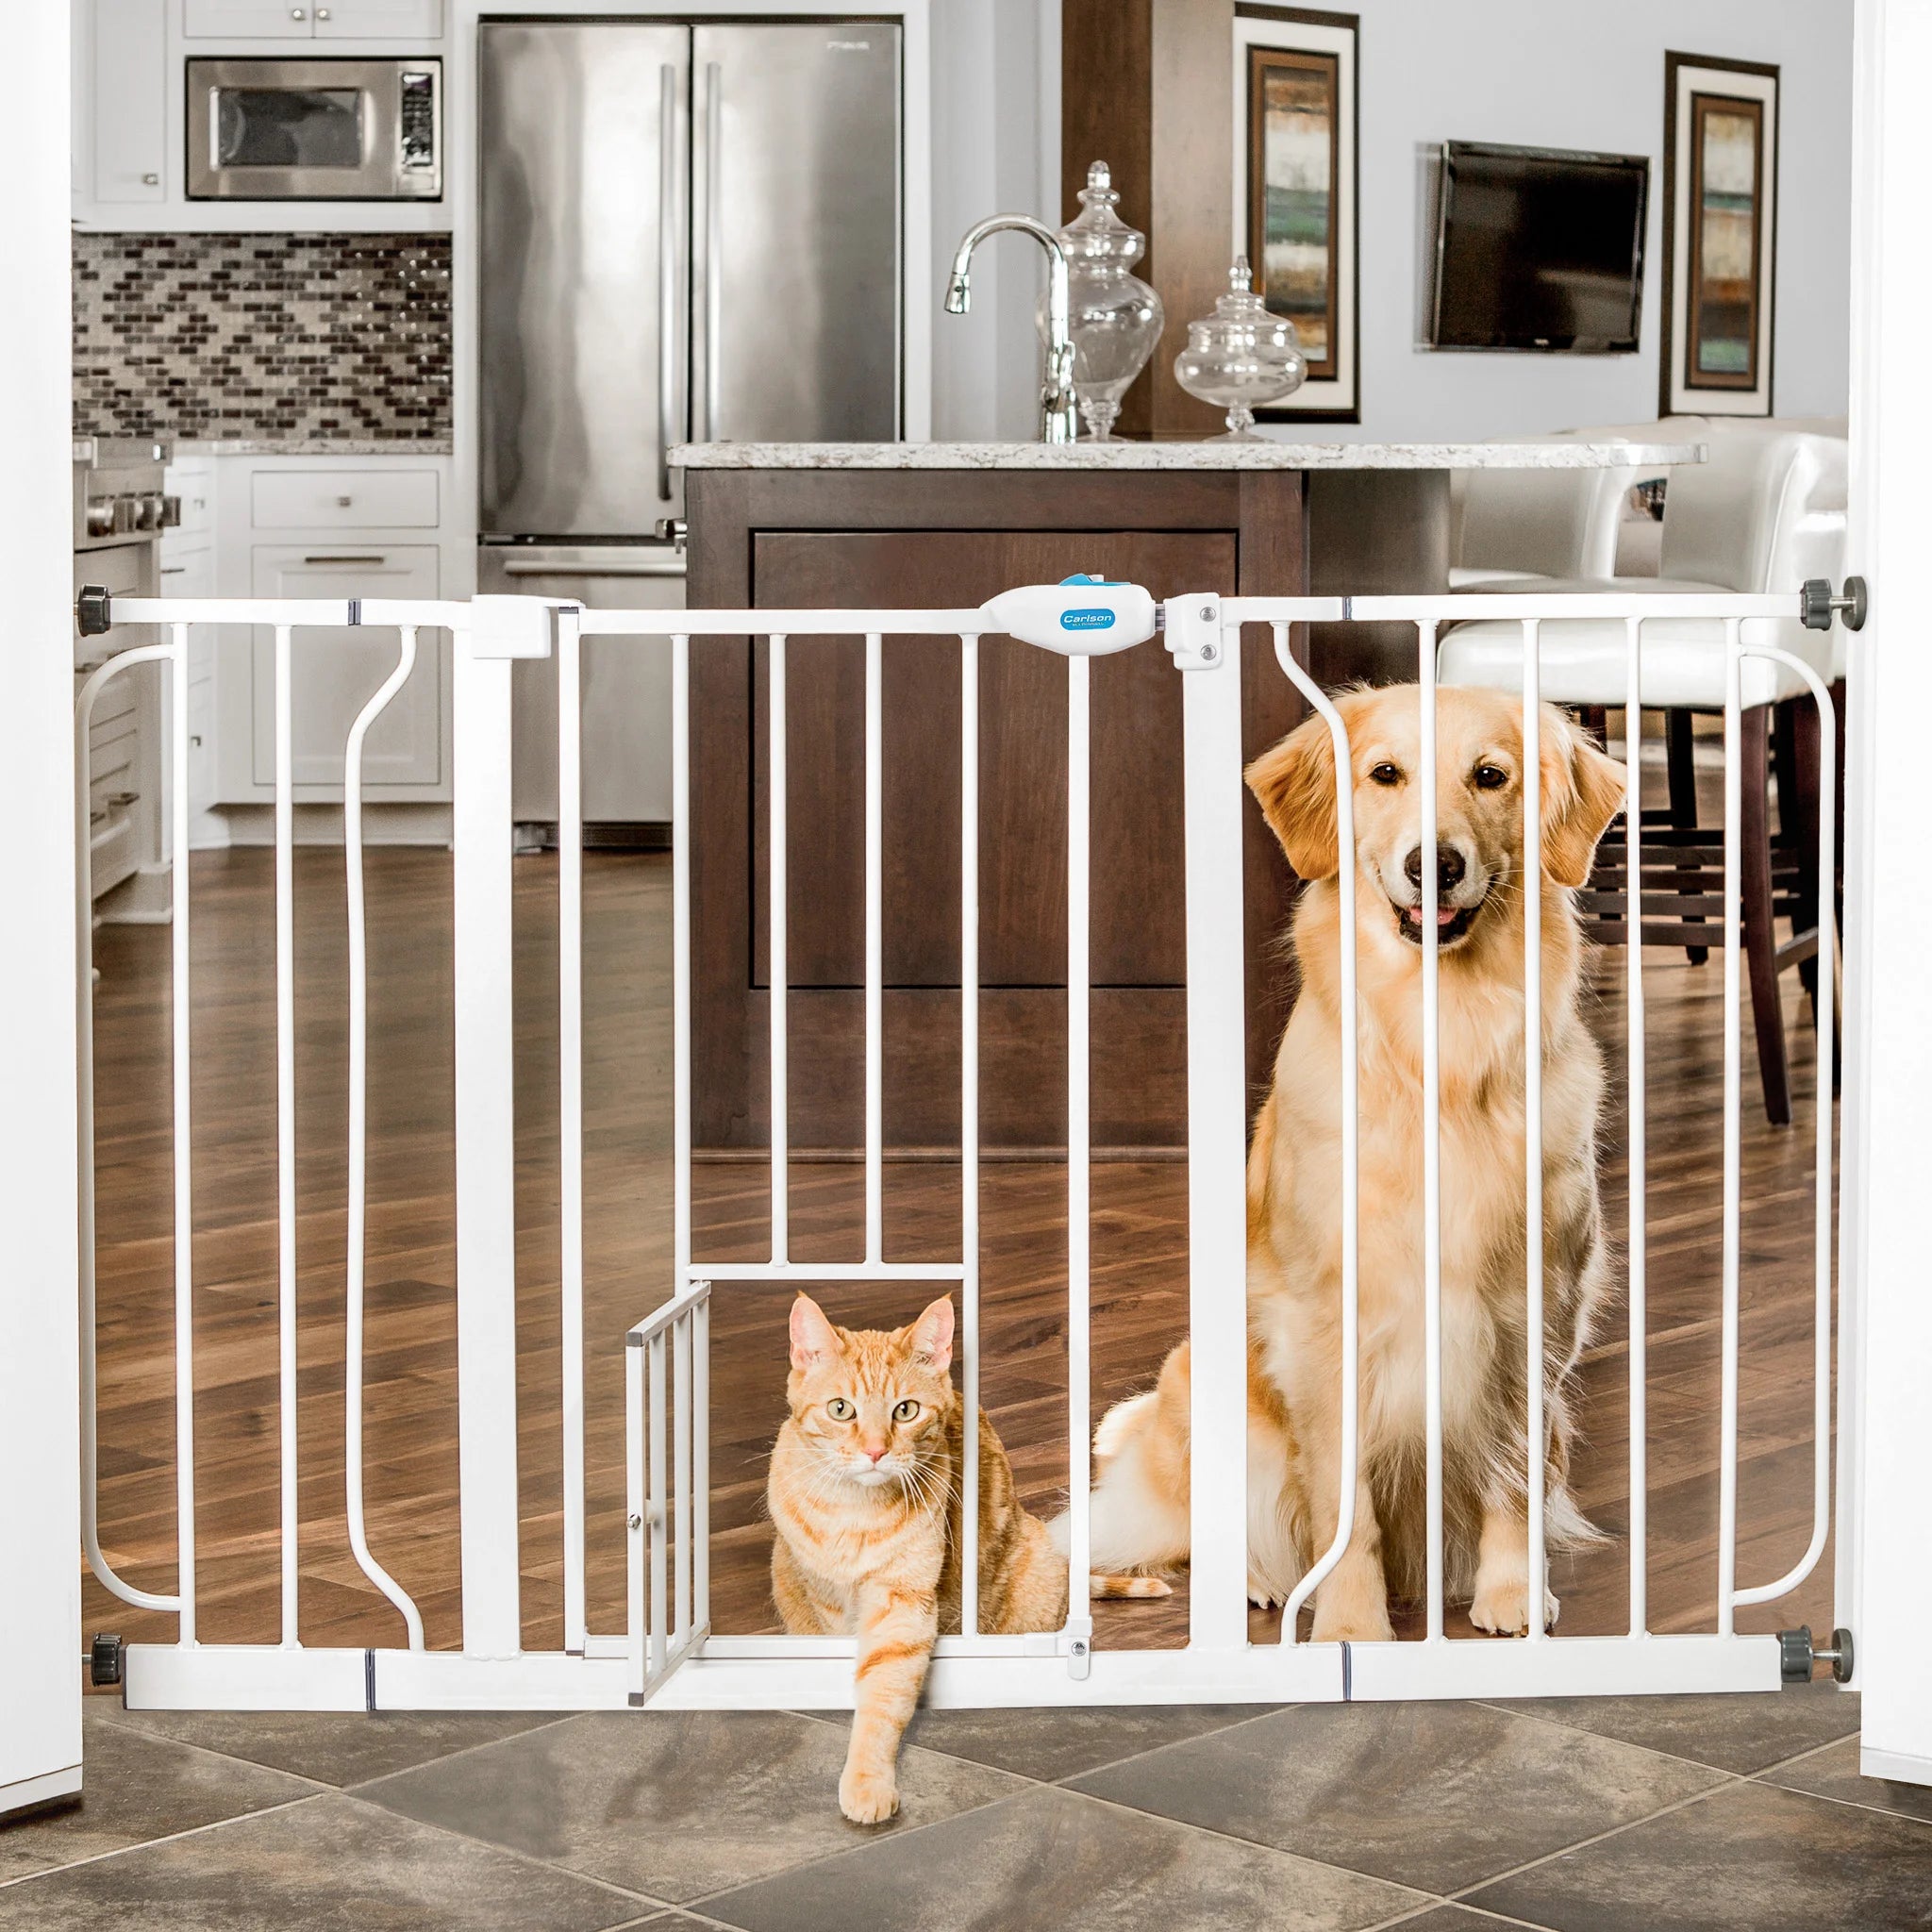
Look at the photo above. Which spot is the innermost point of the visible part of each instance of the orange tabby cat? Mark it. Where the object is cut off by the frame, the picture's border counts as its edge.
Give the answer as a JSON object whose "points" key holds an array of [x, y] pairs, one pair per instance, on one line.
{"points": [[864, 1491]]}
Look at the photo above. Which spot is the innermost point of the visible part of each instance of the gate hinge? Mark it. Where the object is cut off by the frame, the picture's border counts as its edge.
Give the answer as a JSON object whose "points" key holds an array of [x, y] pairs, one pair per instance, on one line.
{"points": [[1797, 1653], [1192, 631]]}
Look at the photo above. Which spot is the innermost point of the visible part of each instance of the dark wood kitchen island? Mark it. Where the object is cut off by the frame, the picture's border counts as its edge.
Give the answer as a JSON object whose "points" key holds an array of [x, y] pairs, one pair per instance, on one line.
{"points": [[905, 526]]}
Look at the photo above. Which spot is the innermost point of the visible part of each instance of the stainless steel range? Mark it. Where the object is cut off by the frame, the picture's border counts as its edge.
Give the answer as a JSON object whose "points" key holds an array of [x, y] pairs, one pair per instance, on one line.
{"points": [[120, 510]]}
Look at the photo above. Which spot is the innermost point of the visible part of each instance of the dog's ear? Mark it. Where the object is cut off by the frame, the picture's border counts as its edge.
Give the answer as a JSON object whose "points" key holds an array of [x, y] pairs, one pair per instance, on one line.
{"points": [[1582, 792], [1293, 783]]}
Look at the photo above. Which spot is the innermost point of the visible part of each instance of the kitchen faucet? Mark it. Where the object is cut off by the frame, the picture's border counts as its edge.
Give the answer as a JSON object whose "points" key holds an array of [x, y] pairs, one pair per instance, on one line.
{"points": [[1060, 419]]}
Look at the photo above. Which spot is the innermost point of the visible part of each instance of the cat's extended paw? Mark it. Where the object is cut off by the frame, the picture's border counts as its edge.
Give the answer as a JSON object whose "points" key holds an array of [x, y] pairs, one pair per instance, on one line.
{"points": [[868, 1797], [1501, 1606]]}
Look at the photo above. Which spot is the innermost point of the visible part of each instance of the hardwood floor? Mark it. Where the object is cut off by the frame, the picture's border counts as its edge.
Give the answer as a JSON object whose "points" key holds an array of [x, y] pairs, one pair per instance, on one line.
{"points": [[1139, 1258]]}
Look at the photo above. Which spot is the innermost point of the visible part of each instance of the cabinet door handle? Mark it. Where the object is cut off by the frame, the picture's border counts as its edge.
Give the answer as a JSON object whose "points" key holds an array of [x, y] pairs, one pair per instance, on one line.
{"points": [[344, 502], [322, 13], [173, 570], [194, 738], [298, 14], [346, 559], [150, 180]]}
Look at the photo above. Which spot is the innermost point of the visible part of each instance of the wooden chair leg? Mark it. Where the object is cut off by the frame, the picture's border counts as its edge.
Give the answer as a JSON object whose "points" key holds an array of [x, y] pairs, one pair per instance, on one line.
{"points": [[1797, 814], [1680, 764], [1760, 936]]}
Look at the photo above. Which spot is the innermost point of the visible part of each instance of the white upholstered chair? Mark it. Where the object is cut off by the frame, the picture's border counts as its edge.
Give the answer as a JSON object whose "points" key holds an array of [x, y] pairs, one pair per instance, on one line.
{"points": [[1765, 511]]}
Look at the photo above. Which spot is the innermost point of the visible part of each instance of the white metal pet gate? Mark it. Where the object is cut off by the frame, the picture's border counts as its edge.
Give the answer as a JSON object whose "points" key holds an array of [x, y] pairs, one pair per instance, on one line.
{"points": [[668, 1651]]}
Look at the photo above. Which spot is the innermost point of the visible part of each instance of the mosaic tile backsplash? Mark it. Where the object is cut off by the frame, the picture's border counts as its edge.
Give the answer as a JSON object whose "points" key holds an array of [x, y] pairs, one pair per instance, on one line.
{"points": [[231, 336]]}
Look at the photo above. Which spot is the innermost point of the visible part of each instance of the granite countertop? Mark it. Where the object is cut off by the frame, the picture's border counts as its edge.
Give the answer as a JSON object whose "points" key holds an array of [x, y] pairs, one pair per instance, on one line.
{"points": [[314, 446], [1561, 453]]}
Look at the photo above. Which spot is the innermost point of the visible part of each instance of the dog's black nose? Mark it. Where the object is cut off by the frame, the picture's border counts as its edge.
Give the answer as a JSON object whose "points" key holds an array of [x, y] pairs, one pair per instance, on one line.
{"points": [[1449, 867]]}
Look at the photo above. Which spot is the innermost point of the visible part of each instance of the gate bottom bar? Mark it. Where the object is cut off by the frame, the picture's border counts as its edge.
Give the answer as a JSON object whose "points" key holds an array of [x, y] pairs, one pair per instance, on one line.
{"points": [[732, 1675]]}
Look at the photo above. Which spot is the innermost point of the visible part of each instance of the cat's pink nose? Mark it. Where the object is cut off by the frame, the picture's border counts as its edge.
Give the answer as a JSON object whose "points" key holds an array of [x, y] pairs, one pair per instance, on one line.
{"points": [[876, 1454]]}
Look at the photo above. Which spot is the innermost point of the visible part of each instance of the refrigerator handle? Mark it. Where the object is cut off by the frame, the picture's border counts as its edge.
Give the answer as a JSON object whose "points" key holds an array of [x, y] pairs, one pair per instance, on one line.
{"points": [[668, 227], [714, 241]]}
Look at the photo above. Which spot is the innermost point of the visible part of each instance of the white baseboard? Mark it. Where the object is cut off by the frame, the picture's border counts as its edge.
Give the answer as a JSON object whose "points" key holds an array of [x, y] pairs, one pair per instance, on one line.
{"points": [[405, 824], [145, 897], [40, 1790], [1897, 1766]]}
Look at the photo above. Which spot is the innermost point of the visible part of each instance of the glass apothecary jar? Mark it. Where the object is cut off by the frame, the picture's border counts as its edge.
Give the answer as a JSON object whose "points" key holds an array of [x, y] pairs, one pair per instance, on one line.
{"points": [[1240, 357], [1114, 317]]}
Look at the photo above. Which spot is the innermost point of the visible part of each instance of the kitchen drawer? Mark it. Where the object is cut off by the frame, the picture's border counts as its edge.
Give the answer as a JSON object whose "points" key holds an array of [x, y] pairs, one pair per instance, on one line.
{"points": [[187, 569], [343, 499]]}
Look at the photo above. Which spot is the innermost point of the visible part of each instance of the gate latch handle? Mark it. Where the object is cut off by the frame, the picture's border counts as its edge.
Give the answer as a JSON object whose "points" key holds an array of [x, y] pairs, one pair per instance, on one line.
{"points": [[1817, 606]]}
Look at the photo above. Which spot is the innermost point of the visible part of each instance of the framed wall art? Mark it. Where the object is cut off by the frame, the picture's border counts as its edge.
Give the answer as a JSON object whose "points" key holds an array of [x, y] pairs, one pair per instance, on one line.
{"points": [[1720, 236], [1295, 192]]}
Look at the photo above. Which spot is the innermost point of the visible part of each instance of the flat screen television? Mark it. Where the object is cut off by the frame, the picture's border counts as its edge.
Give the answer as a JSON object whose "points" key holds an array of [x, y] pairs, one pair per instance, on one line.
{"points": [[1539, 248]]}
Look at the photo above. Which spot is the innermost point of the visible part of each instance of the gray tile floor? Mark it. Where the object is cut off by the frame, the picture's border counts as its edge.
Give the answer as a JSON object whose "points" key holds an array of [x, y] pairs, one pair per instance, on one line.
{"points": [[1695, 1812]]}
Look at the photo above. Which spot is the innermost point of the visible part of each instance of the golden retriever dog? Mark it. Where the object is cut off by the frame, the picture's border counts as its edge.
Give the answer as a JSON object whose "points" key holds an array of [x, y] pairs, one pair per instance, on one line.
{"points": [[1139, 1508]]}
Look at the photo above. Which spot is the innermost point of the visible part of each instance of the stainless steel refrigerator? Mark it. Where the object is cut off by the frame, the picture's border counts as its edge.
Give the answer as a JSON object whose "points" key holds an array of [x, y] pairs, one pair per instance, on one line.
{"points": [[689, 233]]}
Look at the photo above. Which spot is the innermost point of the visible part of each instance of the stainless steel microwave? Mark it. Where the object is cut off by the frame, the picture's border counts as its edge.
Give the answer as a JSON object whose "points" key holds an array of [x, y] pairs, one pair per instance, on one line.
{"points": [[314, 131]]}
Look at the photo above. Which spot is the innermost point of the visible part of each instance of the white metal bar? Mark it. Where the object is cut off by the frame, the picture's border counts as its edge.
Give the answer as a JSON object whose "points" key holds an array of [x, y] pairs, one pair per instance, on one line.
{"points": [[655, 1516], [1079, 1228], [778, 920], [1821, 1180], [938, 624], [288, 1399], [1432, 1138], [1317, 1572], [1216, 1143], [637, 1532], [1727, 1413], [1633, 1085], [680, 958], [830, 1271], [184, 1152], [483, 950], [84, 1140], [570, 1079], [680, 1474], [969, 1122], [1548, 607], [874, 948], [701, 1460], [1538, 1428], [359, 1132]]}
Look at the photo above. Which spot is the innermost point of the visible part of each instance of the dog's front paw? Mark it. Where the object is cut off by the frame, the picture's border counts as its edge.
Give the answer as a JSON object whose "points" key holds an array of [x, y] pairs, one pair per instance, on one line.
{"points": [[1502, 1607], [1355, 1619], [1264, 1596], [868, 1797]]}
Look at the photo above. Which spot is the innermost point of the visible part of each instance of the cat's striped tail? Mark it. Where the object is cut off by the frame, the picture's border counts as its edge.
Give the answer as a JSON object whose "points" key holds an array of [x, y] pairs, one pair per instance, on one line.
{"points": [[1100, 1586]]}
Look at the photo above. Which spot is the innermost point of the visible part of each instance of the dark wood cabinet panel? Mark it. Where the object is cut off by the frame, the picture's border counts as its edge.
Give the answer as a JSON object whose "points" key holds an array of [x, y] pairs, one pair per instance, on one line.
{"points": [[952, 539], [1135, 707]]}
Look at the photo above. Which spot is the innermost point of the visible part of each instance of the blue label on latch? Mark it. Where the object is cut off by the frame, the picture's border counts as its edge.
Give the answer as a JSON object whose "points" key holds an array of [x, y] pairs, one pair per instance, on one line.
{"points": [[1086, 619]]}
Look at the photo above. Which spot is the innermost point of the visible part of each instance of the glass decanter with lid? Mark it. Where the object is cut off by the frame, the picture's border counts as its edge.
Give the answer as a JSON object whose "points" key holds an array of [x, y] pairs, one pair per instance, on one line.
{"points": [[1240, 356], [1114, 316]]}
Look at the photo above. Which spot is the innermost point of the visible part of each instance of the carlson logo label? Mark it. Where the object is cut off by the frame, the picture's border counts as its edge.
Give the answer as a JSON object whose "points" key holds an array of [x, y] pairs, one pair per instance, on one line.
{"points": [[1087, 619]]}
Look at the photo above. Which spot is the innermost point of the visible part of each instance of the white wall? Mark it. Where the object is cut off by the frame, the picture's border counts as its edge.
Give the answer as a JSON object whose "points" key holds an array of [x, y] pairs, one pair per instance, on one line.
{"points": [[40, 1497], [1562, 73]]}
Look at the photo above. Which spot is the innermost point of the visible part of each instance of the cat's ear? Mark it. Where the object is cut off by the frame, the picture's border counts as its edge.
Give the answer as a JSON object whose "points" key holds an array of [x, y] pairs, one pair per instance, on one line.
{"points": [[813, 1337], [932, 1335]]}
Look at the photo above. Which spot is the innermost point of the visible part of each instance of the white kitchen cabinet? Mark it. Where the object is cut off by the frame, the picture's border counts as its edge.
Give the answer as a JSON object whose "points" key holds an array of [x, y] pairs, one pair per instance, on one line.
{"points": [[337, 670], [247, 20], [302, 20], [129, 69], [379, 19]]}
